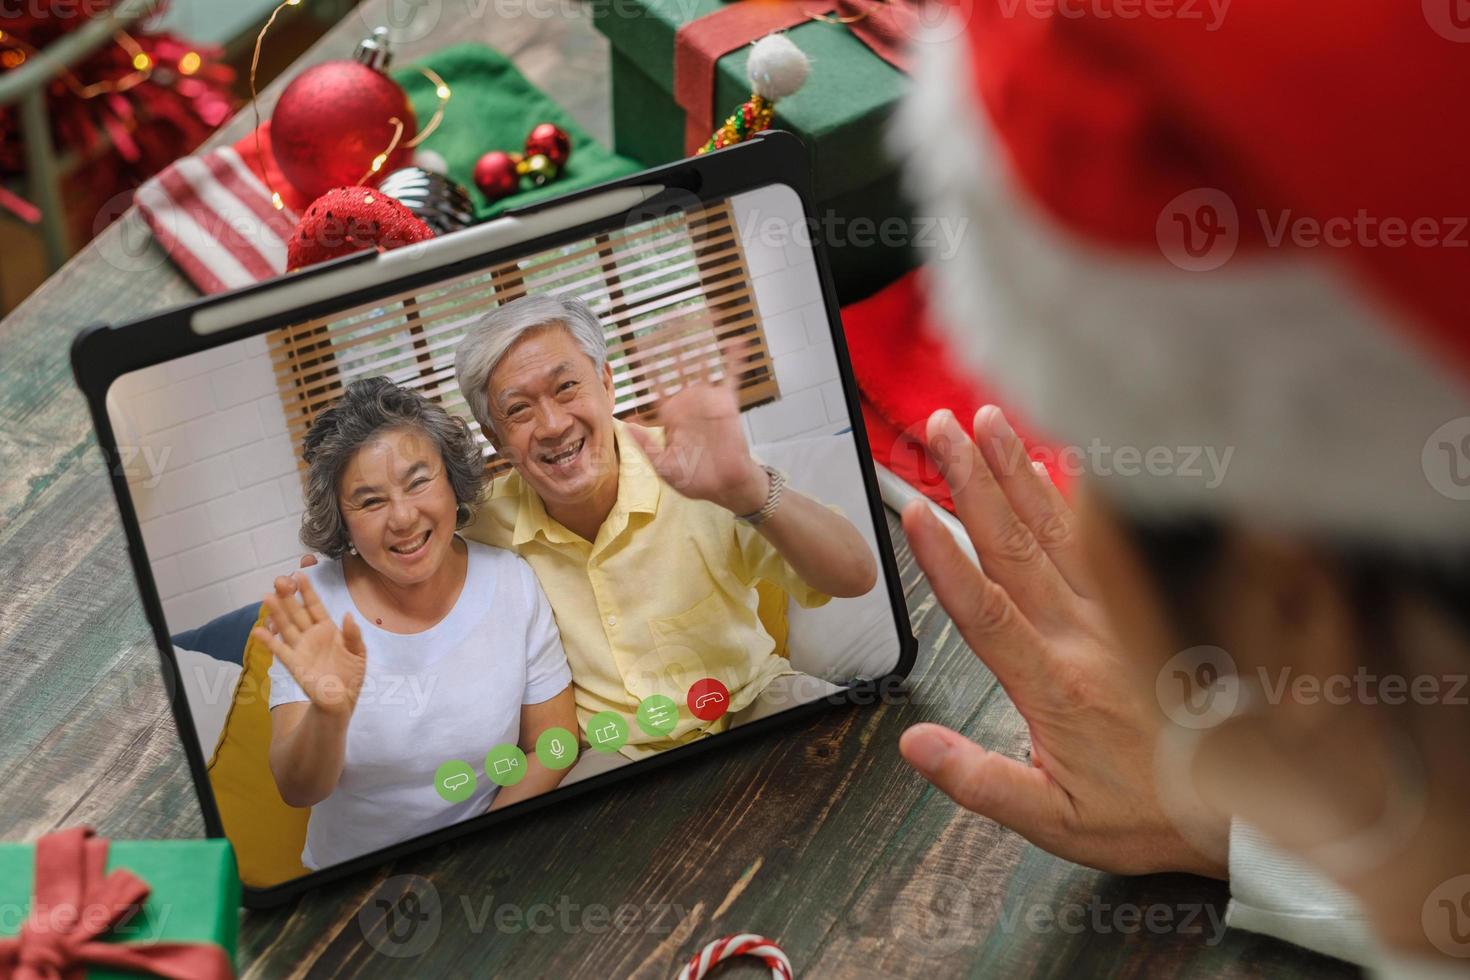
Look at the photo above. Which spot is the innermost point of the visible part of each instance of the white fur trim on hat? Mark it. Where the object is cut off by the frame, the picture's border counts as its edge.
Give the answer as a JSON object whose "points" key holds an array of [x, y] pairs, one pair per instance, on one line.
{"points": [[1295, 401]]}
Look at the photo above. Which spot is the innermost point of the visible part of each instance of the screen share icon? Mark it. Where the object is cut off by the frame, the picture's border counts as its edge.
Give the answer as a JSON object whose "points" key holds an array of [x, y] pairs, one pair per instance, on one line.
{"points": [[607, 731]]}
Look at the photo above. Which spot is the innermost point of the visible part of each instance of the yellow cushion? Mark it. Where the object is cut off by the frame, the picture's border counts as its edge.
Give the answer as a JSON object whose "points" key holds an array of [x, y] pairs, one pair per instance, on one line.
{"points": [[771, 608], [267, 834]]}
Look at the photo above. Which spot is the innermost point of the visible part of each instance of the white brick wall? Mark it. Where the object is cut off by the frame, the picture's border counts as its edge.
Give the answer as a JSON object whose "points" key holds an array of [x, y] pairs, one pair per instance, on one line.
{"points": [[783, 272], [213, 479]]}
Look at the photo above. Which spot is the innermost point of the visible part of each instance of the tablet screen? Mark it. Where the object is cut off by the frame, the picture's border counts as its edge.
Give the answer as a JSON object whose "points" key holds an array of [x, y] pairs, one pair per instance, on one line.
{"points": [[564, 513]]}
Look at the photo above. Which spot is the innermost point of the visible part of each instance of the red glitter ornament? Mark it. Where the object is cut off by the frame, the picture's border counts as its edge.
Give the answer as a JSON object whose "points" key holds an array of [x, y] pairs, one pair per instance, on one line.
{"points": [[552, 142], [334, 119], [496, 175], [350, 219]]}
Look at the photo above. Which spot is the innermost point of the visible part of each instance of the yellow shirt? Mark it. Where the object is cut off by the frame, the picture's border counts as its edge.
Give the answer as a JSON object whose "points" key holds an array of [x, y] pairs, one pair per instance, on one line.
{"points": [[662, 598]]}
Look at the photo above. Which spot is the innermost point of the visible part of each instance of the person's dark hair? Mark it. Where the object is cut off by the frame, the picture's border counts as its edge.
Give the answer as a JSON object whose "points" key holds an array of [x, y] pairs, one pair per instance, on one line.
{"points": [[1183, 555], [366, 408]]}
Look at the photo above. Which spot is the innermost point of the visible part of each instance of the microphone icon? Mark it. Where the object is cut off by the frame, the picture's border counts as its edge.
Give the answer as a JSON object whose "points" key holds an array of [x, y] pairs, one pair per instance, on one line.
{"points": [[556, 748]]}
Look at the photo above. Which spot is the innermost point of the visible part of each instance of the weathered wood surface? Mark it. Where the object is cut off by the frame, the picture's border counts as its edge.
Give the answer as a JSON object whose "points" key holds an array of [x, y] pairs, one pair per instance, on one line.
{"points": [[817, 835]]}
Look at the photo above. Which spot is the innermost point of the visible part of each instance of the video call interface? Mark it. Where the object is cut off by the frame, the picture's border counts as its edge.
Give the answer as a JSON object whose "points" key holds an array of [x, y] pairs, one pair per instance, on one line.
{"points": [[430, 556]]}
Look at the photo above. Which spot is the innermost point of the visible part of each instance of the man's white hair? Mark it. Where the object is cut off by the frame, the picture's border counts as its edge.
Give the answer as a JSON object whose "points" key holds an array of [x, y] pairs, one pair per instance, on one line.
{"points": [[496, 333]]}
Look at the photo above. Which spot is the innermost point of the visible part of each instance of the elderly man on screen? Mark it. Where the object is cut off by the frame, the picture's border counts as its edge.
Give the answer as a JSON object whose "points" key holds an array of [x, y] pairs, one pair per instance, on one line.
{"points": [[649, 542]]}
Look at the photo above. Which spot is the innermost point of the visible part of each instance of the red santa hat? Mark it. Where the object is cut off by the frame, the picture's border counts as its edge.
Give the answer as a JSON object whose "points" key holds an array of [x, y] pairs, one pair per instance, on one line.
{"points": [[1220, 246]]}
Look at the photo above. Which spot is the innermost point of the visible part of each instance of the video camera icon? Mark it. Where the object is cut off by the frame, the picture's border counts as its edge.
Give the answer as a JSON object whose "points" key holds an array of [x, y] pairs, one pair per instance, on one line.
{"points": [[505, 765]]}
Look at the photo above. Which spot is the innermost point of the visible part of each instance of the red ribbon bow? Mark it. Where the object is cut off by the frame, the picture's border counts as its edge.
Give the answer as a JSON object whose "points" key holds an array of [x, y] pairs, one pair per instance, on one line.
{"points": [[75, 903]]}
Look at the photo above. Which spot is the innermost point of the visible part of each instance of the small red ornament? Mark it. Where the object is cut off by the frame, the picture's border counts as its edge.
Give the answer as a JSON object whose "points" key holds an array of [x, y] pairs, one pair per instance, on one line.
{"points": [[350, 219], [334, 119], [496, 176], [552, 142]]}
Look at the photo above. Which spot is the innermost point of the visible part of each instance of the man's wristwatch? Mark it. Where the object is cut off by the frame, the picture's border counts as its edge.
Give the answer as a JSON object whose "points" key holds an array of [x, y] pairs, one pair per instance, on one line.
{"points": [[773, 497]]}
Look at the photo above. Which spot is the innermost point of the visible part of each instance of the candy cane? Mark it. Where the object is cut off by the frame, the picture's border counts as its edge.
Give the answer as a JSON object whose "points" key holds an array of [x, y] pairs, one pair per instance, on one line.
{"points": [[744, 944]]}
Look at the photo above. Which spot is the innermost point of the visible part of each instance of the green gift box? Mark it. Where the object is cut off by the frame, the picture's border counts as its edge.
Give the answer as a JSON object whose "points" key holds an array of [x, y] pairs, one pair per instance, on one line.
{"points": [[840, 113], [193, 894]]}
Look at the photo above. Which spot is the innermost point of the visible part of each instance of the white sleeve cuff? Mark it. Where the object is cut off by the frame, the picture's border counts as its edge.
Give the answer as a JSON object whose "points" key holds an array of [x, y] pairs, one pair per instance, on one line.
{"points": [[1274, 894]]}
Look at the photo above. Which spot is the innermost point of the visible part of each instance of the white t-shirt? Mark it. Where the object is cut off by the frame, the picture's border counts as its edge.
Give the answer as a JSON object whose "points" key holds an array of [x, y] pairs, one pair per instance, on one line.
{"points": [[453, 691]]}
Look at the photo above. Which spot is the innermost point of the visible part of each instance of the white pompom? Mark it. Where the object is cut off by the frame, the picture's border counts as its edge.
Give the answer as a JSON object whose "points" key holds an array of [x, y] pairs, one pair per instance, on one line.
{"points": [[777, 68], [430, 161]]}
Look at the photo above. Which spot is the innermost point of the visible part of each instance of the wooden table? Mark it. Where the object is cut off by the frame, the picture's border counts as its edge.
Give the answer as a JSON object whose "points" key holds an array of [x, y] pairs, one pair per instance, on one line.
{"points": [[818, 835]]}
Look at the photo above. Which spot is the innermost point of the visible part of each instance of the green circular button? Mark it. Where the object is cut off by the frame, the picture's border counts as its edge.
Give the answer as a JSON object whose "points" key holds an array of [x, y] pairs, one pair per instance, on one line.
{"points": [[607, 731], [455, 781], [505, 765], [556, 748], [658, 715]]}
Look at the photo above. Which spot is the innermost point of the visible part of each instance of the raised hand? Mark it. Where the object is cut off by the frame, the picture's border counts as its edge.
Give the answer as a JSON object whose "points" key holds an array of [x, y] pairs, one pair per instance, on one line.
{"points": [[328, 662], [704, 454], [1089, 794]]}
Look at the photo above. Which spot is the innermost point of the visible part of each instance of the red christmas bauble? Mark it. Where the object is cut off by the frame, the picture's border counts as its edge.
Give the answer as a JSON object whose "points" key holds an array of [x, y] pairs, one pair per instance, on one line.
{"points": [[333, 120], [496, 176], [552, 142], [350, 219]]}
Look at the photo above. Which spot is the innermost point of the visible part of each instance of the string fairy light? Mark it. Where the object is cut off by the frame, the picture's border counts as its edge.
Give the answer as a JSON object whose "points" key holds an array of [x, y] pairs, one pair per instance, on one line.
{"points": [[382, 158], [17, 51], [441, 91], [276, 201]]}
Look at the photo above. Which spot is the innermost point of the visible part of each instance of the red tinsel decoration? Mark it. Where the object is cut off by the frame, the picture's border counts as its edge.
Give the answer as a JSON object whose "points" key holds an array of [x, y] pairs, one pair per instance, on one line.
{"points": [[123, 136]]}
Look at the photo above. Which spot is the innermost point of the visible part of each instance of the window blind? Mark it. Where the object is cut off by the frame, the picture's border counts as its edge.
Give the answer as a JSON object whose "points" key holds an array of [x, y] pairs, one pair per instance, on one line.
{"points": [[671, 288]]}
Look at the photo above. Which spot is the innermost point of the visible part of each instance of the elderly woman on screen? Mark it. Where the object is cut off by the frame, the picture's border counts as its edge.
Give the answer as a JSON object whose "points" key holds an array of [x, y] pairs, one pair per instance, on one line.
{"points": [[410, 647]]}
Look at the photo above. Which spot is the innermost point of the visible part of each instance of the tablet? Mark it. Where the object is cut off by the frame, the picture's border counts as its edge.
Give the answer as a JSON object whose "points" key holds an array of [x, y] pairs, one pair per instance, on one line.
{"points": [[574, 493]]}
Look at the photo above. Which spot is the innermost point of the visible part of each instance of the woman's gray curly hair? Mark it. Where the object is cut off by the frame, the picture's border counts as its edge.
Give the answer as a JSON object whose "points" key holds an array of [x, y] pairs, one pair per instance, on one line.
{"points": [[366, 408]]}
